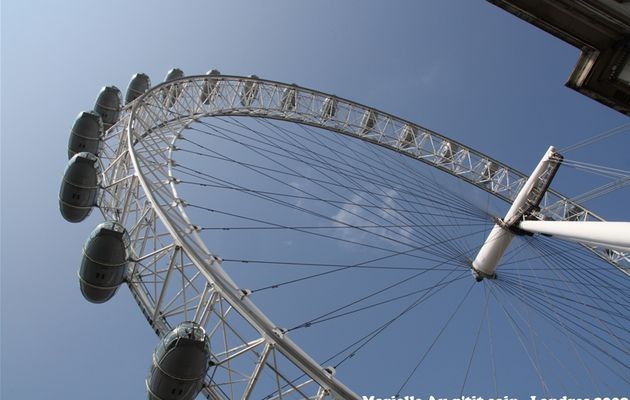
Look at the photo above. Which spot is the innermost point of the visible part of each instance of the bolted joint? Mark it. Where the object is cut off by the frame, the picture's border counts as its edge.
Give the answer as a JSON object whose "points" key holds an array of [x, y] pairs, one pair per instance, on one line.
{"points": [[178, 202], [512, 228], [281, 333], [194, 228]]}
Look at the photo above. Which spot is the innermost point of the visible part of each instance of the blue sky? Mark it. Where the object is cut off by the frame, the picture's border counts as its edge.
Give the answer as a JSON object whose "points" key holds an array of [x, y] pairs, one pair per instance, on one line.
{"points": [[465, 69]]}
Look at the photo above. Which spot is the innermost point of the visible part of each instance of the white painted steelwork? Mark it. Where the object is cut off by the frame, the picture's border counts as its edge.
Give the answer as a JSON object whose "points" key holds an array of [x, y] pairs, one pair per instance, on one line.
{"points": [[485, 264], [608, 234], [175, 277]]}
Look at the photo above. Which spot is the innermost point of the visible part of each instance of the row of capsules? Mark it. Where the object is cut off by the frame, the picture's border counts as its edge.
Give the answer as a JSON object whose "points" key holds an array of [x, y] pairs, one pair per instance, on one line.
{"points": [[182, 358]]}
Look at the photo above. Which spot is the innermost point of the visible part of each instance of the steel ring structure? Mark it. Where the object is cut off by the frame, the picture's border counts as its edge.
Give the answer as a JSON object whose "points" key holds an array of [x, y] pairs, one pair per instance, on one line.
{"points": [[174, 275]]}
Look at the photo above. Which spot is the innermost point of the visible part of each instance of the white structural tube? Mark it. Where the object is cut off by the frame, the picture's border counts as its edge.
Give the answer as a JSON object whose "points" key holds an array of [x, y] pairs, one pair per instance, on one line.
{"points": [[610, 235], [485, 264]]}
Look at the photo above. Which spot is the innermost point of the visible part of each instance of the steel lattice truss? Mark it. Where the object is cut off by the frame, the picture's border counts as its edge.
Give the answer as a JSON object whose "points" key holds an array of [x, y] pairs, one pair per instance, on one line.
{"points": [[174, 277]]}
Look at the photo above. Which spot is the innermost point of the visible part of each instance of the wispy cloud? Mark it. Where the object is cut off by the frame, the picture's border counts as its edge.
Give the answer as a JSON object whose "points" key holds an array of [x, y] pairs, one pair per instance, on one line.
{"points": [[355, 214]]}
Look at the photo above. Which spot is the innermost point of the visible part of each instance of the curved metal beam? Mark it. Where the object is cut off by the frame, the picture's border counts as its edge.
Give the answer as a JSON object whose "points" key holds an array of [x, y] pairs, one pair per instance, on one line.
{"points": [[150, 126], [222, 95]]}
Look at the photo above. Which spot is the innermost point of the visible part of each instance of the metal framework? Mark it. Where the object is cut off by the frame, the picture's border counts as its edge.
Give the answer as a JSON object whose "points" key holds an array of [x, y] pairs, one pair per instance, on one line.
{"points": [[175, 277]]}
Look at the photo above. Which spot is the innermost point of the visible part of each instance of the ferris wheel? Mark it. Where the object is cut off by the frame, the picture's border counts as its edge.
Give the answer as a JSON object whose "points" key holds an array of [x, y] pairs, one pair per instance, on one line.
{"points": [[166, 162]]}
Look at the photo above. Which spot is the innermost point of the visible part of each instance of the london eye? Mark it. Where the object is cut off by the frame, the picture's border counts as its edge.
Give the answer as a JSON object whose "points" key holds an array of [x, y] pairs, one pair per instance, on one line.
{"points": [[228, 198]]}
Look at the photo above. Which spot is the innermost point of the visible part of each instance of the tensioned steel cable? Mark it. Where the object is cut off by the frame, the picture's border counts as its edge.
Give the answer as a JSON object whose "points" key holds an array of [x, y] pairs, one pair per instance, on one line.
{"points": [[625, 128], [543, 310], [339, 185], [436, 224], [379, 191]]}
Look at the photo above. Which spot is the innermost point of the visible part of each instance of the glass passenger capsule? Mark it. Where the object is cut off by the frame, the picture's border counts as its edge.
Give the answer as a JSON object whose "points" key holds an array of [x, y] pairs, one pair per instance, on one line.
{"points": [[180, 363]]}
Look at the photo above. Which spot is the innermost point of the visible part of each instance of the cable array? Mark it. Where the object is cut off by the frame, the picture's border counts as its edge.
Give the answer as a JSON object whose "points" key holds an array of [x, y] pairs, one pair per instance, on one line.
{"points": [[360, 214]]}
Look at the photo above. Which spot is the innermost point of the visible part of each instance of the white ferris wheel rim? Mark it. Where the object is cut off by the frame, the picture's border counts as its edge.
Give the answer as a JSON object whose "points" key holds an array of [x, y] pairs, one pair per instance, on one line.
{"points": [[306, 107]]}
